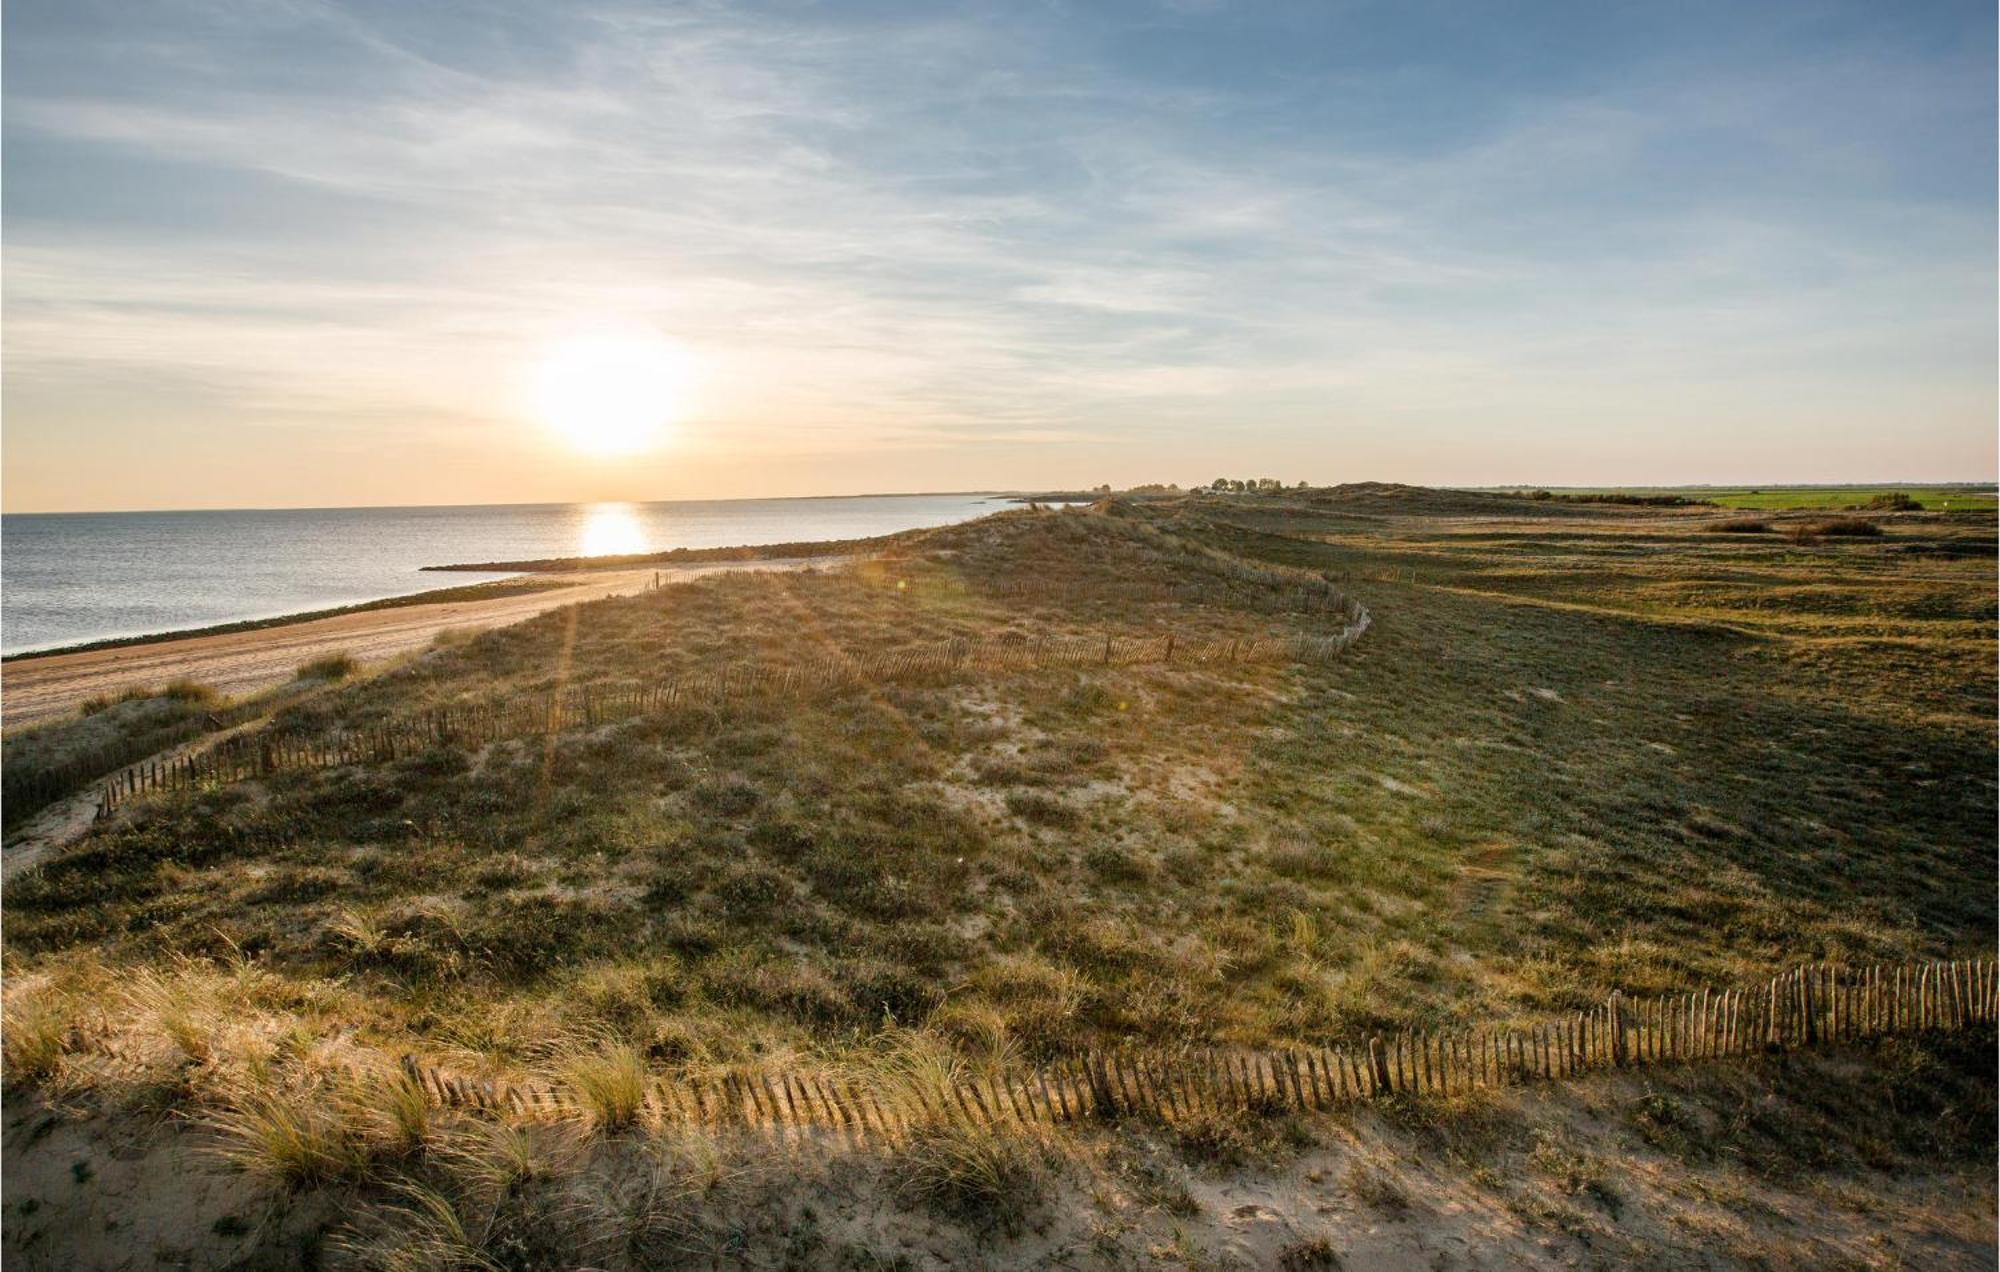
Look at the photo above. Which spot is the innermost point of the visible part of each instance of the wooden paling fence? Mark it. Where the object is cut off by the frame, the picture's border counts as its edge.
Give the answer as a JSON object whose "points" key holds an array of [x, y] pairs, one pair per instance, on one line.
{"points": [[28, 787], [255, 755], [1806, 1007], [1258, 590]]}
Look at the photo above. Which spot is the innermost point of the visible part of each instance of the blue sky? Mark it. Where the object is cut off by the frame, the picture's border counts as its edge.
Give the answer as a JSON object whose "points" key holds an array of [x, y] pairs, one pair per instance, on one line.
{"points": [[309, 253]]}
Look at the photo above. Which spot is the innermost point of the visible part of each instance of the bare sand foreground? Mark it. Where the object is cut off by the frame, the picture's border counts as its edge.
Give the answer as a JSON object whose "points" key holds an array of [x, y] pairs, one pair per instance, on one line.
{"points": [[243, 662]]}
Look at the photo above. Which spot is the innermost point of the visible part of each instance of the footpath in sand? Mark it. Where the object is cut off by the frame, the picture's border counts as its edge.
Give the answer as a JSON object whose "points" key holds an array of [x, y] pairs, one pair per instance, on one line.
{"points": [[237, 663]]}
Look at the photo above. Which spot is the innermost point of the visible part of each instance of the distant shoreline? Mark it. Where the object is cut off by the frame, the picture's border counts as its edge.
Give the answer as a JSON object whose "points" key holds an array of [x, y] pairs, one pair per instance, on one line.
{"points": [[495, 589], [830, 515], [491, 591], [251, 657]]}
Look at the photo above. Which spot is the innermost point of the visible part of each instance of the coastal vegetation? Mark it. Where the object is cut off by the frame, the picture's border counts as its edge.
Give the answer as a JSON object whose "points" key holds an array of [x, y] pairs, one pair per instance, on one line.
{"points": [[1581, 748], [1972, 499], [40, 764]]}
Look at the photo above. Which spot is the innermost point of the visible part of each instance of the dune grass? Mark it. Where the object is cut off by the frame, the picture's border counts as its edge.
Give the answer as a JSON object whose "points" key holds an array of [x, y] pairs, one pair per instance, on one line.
{"points": [[41, 763], [336, 666], [1581, 748], [1564, 761]]}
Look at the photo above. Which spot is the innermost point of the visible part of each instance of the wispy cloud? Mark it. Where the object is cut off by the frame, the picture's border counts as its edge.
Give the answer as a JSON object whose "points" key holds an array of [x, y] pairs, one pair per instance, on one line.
{"points": [[989, 246]]}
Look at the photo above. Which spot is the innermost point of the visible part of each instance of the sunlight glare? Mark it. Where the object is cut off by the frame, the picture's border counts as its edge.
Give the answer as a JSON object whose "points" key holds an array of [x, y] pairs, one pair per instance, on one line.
{"points": [[611, 393], [611, 529]]}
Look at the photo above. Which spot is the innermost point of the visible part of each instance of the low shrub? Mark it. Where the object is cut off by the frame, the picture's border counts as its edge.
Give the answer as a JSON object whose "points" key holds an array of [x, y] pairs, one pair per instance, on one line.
{"points": [[1614, 497], [1212, 1139], [1115, 863], [1308, 1255], [751, 891], [1738, 525], [188, 691], [1833, 528], [329, 667], [731, 797], [1038, 809], [1894, 501]]}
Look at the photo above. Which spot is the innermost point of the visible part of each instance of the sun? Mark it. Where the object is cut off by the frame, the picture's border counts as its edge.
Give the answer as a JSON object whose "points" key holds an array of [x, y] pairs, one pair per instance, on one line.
{"points": [[611, 392]]}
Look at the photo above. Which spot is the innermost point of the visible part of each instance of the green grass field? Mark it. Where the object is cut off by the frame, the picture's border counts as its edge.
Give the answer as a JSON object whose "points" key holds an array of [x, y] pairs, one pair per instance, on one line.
{"points": [[1780, 498], [1582, 748]]}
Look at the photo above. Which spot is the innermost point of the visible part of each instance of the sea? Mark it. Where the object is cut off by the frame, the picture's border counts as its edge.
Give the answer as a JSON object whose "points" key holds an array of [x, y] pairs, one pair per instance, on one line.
{"points": [[68, 578]]}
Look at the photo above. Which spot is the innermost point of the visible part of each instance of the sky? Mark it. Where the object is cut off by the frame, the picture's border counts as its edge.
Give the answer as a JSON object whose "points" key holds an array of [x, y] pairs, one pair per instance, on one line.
{"points": [[303, 253]]}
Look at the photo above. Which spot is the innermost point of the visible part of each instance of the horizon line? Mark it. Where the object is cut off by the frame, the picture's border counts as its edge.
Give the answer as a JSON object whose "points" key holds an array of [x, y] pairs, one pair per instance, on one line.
{"points": [[1926, 483]]}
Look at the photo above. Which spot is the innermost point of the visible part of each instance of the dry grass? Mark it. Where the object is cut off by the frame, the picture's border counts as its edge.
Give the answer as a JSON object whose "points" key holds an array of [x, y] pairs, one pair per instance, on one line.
{"points": [[1590, 747], [420, 1231], [610, 1082], [335, 666], [293, 1137], [989, 1178], [1110, 853], [394, 1112], [39, 1029], [1832, 527]]}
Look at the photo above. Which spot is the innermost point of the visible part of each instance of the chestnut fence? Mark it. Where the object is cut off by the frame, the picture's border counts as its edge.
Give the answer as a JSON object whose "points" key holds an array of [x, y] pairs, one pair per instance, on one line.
{"points": [[1809, 1006]]}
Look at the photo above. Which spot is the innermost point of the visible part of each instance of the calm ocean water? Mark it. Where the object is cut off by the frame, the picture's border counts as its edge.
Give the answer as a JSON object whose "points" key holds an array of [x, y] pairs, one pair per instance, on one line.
{"points": [[70, 577]]}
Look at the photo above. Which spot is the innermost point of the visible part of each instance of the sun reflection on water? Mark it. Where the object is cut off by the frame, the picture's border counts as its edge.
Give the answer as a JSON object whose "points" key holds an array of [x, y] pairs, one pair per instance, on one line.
{"points": [[611, 529]]}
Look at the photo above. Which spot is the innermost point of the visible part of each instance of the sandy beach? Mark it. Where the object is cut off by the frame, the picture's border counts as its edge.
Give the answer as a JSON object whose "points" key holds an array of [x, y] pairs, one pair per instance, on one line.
{"points": [[243, 662]]}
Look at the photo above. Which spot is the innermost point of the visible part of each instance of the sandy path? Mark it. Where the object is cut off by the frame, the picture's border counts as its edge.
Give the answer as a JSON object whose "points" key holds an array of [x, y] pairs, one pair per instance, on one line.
{"points": [[244, 662]]}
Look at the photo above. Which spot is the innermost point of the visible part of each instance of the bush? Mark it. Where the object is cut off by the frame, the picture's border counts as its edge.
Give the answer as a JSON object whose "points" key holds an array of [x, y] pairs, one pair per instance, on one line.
{"points": [[1213, 1139], [1038, 809], [1834, 527], [329, 667], [187, 691], [1738, 525], [1614, 497], [1113, 863], [752, 891], [731, 797], [880, 990], [1307, 1255], [1894, 501]]}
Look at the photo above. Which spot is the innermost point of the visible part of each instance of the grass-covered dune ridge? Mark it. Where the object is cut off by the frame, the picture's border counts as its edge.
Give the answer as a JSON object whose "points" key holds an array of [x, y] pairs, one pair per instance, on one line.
{"points": [[1583, 749], [1121, 850]]}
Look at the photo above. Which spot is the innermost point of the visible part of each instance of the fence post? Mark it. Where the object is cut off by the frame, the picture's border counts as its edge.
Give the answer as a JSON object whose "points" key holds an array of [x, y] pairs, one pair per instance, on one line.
{"points": [[1615, 1009], [1380, 1064]]}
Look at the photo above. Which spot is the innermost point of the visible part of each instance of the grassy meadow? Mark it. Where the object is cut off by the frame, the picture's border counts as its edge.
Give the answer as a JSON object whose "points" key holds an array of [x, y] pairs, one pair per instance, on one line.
{"points": [[1580, 748], [1974, 499]]}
